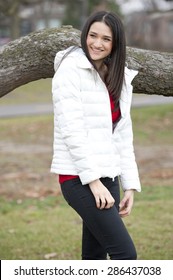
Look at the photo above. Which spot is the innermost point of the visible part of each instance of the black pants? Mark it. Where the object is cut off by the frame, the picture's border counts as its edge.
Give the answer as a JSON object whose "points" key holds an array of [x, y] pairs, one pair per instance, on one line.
{"points": [[103, 230]]}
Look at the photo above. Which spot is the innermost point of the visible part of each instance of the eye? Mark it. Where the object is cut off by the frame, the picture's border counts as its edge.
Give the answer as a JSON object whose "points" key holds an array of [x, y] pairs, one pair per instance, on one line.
{"points": [[107, 39], [92, 35]]}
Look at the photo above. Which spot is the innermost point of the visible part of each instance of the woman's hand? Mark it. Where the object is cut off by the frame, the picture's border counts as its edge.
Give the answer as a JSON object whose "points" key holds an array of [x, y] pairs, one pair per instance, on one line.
{"points": [[102, 196], [126, 203]]}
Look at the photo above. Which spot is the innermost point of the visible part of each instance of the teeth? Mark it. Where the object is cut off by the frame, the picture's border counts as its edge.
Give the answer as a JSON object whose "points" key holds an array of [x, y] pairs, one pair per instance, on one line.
{"points": [[96, 51]]}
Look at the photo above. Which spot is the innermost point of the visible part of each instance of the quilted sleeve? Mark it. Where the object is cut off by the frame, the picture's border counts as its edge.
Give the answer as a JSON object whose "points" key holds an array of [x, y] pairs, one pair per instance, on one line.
{"points": [[70, 119]]}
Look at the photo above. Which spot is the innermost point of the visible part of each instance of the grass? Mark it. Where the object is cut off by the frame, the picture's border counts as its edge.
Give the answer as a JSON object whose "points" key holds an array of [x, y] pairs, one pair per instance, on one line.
{"points": [[35, 228], [35, 92], [33, 130], [36, 222], [151, 223], [153, 124]]}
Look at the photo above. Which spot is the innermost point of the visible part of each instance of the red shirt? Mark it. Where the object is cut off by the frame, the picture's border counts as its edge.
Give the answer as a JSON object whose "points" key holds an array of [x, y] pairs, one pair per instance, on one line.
{"points": [[115, 117]]}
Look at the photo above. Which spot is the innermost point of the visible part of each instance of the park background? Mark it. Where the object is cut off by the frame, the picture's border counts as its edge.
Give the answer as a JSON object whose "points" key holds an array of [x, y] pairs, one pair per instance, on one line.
{"points": [[35, 221]]}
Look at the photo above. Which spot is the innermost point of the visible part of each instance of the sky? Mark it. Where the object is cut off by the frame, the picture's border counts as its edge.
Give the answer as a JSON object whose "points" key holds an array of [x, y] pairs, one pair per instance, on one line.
{"points": [[130, 6]]}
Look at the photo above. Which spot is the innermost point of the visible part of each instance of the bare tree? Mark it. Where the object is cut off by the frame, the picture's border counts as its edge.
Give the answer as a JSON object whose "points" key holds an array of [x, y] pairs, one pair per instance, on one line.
{"points": [[31, 58], [11, 9]]}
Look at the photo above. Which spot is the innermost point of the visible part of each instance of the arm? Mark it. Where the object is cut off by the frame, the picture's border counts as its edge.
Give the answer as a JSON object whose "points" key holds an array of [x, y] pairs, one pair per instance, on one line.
{"points": [[71, 123], [129, 177], [70, 119]]}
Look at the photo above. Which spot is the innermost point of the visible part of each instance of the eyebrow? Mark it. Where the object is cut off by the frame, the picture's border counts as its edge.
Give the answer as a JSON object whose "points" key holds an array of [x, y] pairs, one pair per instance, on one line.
{"points": [[105, 36]]}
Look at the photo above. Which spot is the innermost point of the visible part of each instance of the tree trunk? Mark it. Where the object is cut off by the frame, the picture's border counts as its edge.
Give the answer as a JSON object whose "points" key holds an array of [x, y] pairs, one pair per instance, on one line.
{"points": [[31, 58], [155, 71], [15, 26]]}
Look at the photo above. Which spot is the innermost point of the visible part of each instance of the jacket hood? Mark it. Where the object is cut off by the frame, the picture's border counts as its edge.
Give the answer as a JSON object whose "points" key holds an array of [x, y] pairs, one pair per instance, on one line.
{"points": [[78, 53], [83, 62]]}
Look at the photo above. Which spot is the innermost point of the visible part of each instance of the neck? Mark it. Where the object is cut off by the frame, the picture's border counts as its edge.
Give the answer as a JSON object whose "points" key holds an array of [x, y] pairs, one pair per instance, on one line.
{"points": [[102, 70], [99, 64]]}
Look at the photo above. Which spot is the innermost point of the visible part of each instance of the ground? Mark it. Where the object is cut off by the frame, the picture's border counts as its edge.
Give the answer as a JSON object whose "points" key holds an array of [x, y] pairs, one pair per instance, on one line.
{"points": [[25, 170], [26, 143], [155, 164]]}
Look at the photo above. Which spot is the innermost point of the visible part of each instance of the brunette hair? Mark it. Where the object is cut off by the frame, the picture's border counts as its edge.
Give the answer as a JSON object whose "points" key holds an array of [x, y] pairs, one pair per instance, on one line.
{"points": [[116, 60]]}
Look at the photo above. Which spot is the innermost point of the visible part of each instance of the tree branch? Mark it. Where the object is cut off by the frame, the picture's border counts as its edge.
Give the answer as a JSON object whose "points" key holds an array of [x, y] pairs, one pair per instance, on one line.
{"points": [[155, 71], [31, 58]]}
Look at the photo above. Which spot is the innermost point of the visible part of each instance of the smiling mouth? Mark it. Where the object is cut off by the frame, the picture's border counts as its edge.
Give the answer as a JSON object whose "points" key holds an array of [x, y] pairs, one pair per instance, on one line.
{"points": [[96, 51]]}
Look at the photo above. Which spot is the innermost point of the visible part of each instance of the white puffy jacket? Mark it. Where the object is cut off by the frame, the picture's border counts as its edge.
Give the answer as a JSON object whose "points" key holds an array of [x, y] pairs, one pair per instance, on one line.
{"points": [[84, 143]]}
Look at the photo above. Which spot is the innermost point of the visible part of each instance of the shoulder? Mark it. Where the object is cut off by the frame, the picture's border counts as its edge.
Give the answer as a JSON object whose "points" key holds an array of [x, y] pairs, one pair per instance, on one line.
{"points": [[127, 89], [71, 57], [129, 75]]}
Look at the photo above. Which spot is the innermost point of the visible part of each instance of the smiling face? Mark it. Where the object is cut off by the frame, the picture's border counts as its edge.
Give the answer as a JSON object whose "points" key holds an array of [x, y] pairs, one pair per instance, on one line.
{"points": [[99, 42]]}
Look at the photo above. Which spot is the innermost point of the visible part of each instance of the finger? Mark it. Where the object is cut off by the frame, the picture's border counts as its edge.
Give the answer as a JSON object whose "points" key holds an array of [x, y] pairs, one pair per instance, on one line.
{"points": [[110, 203], [125, 212], [100, 202], [122, 205], [124, 216], [122, 208], [103, 203], [97, 199]]}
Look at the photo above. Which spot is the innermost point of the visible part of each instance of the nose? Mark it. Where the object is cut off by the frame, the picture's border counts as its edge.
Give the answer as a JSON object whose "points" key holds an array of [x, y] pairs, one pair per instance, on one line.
{"points": [[98, 43]]}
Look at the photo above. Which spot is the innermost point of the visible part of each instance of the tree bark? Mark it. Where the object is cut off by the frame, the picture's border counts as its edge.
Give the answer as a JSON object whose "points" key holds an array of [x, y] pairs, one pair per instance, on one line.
{"points": [[155, 71], [31, 58]]}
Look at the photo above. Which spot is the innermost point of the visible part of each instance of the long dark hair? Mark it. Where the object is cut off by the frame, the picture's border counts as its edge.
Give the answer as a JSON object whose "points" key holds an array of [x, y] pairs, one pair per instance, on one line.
{"points": [[116, 61]]}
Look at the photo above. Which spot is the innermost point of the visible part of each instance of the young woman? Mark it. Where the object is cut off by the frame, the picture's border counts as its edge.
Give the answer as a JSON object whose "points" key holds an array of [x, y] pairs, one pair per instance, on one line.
{"points": [[93, 139]]}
